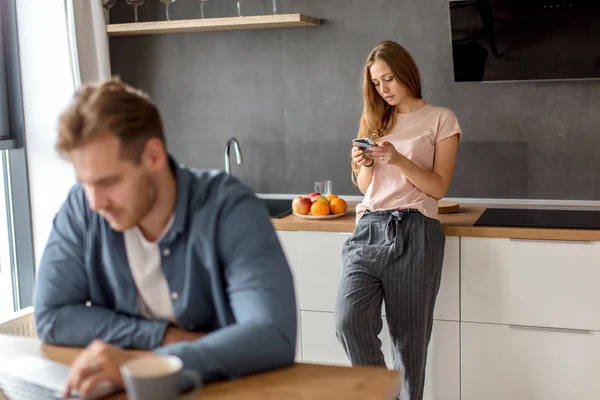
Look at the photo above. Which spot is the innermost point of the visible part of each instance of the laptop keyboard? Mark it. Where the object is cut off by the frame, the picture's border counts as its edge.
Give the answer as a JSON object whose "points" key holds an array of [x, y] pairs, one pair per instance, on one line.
{"points": [[17, 389]]}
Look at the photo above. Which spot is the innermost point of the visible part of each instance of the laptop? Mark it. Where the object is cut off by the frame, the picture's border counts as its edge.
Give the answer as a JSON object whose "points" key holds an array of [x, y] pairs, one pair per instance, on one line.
{"points": [[34, 377]]}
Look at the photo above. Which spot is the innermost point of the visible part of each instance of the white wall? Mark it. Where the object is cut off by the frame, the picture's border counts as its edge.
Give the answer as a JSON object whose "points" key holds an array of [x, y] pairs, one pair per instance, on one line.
{"points": [[47, 88], [48, 84]]}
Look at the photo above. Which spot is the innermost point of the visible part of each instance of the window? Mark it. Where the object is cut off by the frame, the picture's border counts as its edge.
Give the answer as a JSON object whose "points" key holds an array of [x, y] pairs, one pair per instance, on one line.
{"points": [[7, 303], [16, 250]]}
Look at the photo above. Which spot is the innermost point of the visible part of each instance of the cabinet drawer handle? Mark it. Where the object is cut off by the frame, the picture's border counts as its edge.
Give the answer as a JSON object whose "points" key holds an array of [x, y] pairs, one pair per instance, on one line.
{"points": [[544, 328], [552, 241]]}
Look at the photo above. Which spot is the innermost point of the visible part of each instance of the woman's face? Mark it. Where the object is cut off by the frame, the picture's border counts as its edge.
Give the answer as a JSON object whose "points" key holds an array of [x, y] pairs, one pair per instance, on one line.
{"points": [[392, 91]]}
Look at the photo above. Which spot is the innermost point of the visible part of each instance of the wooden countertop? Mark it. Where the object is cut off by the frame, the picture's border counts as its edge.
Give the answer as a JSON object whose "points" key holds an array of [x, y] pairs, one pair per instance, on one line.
{"points": [[298, 382], [456, 224]]}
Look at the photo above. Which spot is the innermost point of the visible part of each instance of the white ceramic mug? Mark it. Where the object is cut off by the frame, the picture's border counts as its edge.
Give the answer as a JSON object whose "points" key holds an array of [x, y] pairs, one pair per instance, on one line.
{"points": [[156, 377]]}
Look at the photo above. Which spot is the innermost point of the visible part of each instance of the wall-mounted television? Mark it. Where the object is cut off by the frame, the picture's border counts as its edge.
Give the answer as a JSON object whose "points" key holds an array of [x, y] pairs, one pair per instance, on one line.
{"points": [[515, 40]]}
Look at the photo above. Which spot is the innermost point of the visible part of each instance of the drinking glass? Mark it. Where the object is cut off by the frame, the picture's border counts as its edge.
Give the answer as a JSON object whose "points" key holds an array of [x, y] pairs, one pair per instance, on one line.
{"points": [[108, 4], [239, 8], [323, 187], [275, 7], [167, 3], [135, 4], [202, 8]]}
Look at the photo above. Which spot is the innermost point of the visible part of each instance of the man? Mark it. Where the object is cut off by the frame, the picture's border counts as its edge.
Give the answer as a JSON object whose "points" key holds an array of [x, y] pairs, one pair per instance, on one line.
{"points": [[146, 254]]}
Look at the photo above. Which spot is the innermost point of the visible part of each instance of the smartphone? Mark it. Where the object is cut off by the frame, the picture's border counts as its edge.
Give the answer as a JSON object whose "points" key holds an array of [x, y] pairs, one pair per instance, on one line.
{"points": [[364, 143]]}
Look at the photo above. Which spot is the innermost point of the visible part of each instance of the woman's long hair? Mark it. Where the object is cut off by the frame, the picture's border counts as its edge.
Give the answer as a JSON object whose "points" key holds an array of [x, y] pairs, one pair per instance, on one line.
{"points": [[377, 117]]}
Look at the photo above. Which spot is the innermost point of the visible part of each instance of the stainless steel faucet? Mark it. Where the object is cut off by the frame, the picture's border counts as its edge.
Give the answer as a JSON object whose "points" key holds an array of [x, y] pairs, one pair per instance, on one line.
{"points": [[238, 154]]}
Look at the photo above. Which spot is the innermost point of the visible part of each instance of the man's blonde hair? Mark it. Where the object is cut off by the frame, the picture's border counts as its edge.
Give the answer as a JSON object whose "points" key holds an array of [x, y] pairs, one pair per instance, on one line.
{"points": [[110, 107]]}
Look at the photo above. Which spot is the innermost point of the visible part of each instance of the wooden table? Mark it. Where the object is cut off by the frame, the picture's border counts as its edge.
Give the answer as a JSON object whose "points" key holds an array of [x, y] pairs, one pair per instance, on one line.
{"points": [[297, 382]]}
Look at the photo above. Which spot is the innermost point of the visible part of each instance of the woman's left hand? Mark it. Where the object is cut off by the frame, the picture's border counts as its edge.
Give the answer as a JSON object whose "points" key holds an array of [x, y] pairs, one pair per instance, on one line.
{"points": [[386, 153]]}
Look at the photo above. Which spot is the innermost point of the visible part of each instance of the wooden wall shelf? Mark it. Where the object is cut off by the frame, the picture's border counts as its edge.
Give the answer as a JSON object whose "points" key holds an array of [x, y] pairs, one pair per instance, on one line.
{"points": [[212, 24]]}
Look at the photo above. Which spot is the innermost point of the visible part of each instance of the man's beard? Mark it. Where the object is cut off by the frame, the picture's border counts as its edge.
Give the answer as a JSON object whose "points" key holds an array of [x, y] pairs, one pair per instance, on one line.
{"points": [[143, 207]]}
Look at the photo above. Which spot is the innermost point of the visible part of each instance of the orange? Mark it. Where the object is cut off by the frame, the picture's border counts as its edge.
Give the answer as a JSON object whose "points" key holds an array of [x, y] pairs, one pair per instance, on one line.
{"points": [[331, 197], [338, 206], [319, 209]]}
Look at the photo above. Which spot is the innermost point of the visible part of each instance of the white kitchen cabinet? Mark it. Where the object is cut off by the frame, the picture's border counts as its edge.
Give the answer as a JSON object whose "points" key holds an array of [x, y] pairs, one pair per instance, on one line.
{"points": [[500, 362], [442, 377], [289, 243], [529, 309], [320, 259], [320, 345], [320, 263], [442, 381], [447, 305], [533, 283]]}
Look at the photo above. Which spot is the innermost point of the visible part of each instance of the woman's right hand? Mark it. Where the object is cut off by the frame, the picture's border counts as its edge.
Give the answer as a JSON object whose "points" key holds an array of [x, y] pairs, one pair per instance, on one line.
{"points": [[359, 157]]}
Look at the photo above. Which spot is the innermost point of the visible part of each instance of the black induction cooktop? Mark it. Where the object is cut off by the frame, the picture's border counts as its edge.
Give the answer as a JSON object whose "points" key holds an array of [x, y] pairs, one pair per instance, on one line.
{"points": [[534, 218]]}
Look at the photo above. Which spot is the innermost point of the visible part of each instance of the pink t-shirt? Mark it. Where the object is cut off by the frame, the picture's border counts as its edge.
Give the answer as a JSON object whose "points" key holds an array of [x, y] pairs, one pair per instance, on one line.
{"points": [[414, 135]]}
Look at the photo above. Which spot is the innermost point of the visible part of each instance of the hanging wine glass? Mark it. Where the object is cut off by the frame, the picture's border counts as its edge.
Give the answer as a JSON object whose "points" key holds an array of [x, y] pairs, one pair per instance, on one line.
{"points": [[202, 8], [108, 4], [167, 3], [135, 4]]}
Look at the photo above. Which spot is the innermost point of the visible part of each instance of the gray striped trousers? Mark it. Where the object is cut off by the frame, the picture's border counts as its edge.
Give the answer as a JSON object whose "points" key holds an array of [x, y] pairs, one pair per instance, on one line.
{"points": [[393, 257]]}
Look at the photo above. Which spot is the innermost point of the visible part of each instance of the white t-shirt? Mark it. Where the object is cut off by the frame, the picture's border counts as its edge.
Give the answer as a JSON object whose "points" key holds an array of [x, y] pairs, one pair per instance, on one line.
{"points": [[145, 263]]}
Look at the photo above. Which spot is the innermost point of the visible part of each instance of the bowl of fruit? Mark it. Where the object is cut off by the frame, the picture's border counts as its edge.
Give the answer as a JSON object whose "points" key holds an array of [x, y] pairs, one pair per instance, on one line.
{"points": [[317, 206]]}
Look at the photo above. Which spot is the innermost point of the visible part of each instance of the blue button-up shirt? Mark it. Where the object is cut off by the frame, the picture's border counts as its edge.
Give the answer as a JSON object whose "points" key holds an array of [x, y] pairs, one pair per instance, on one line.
{"points": [[224, 261]]}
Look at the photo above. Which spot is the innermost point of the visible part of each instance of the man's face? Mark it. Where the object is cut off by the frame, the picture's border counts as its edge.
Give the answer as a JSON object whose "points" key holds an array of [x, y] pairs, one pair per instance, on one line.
{"points": [[116, 188]]}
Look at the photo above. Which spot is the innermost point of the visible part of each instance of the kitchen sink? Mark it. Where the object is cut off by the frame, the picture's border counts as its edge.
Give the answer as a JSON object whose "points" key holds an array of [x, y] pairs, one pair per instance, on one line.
{"points": [[278, 208]]}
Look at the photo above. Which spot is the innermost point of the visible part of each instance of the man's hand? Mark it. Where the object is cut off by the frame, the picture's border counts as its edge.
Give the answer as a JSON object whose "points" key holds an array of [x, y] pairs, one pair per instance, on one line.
{"points": [[98, 362], [176, 335]]}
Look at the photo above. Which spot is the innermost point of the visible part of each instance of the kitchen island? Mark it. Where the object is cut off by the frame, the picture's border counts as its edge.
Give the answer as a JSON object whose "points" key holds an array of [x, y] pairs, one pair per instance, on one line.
{"points": [[516, 316]]}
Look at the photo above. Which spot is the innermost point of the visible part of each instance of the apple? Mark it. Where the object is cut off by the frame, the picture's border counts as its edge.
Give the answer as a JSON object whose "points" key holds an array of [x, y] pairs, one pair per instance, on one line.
{"points": [[320, 198], [301, 205], [313, 194]]}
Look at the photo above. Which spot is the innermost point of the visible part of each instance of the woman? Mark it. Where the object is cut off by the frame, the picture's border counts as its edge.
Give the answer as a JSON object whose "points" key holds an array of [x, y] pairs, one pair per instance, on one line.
{"points": [[396, 252]]}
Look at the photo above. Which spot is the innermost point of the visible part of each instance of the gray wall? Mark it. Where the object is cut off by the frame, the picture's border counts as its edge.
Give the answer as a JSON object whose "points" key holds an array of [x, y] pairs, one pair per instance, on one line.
{"points": [[292, 98]]}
